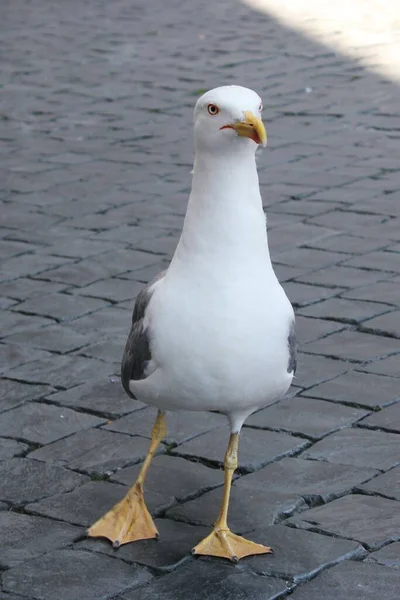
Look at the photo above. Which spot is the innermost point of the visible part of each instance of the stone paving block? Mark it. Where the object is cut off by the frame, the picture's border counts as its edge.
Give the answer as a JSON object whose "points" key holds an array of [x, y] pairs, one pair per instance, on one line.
{"points": [[302, 294], [42, 423], [62, 371], [305, 416], [81, 506], [249, 508], [212, 580], [387, 484], [358, 447], [313, 369], [352, 579], [24, 288], [387, 419], [308, 330], [348, 243], [62, 307], [363, 389], [111, 290], [30, 264], [355, 345], [94, 451], [174, 544], [298, 554], [109, 321], [389, 556], [81, 273], [27, 480], [173, 477], [181, 425], [385, 292], [314, 480], [12, 322], [109, 350], [55, 338], [10, 448], [384, 261], [347, 311], [13, 355], [387, 366], [256, 448], [388, 324], [25, 537], [369, 520], [314, 259], [103, 396], [14, 393], [342, 276], [71, 574]]}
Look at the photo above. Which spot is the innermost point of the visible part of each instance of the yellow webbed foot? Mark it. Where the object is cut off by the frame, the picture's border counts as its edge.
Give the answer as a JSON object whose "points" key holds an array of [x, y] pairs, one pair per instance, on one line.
{"points": [[225, 544], [128, 521]]}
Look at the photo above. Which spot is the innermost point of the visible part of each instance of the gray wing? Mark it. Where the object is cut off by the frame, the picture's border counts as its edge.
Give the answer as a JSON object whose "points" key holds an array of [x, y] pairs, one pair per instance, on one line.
{"points": [[292, 346], [137, 352]]}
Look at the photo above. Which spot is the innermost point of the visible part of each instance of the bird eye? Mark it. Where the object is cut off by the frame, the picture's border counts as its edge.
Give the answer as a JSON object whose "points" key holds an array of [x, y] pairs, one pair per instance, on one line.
{"points": [[260, 107], [212, 109]]}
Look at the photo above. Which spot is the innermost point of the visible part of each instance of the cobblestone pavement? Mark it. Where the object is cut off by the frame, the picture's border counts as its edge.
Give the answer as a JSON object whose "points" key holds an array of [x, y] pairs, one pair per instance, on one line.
{"points": [[96, 145]]}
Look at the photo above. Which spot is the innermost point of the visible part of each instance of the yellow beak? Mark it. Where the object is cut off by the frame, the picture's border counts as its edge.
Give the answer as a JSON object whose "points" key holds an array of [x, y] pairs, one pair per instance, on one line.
{"points": [[252, 127]]}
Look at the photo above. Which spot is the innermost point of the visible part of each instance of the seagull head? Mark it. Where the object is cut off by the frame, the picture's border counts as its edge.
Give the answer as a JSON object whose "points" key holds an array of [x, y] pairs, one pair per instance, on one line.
{"points": [[228, 117]]}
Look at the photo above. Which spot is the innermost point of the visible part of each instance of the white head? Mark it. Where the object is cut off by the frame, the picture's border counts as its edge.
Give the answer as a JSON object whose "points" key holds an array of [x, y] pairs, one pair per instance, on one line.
{"points": [[228, 117]]}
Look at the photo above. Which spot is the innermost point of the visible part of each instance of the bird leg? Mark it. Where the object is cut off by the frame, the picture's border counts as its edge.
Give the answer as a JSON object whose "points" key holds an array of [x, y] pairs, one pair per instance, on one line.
{"points": [[221, 541], [129, 520]]}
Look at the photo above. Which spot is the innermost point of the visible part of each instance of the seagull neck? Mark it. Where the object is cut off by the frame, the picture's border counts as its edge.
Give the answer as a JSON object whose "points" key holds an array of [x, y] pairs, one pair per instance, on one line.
{"points": [[225, 214]]}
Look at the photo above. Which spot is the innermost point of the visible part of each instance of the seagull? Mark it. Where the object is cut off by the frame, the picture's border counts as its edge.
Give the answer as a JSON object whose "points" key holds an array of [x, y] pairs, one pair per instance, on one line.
{"points": [[215, 331]]}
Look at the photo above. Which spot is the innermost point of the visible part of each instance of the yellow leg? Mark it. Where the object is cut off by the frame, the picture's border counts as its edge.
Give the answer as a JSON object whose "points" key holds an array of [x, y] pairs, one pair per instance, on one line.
{"points": [[129, 520], [221, 541]]}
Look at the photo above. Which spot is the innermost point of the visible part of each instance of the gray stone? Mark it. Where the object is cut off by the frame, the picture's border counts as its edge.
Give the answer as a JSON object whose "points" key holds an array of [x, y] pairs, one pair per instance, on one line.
{"points": [[109, 350], [304, 416], [181, 425], [62, 371], [386, 292], [387, 366], [112, 290], [387, 419], [358, 447], [62, 307], [256, 448], [351, 579], [174, 544], [370, 520], [94, 451], [56, 338], [302, 294], [385, 261], [388, 324], [343, 309], [171, 477], [12, 322], [388, 556], [24, 537], [42, 423], [13, 355], [342, 276], [387, 484], [27, 480], [314, 480], [211, 580], [81, 506], [362, 389], [72, 574], [103, 396], [355, 345], [312, 369], [298, 554], [14, 393], [249, 508], [10, 448], [308, 330]]}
